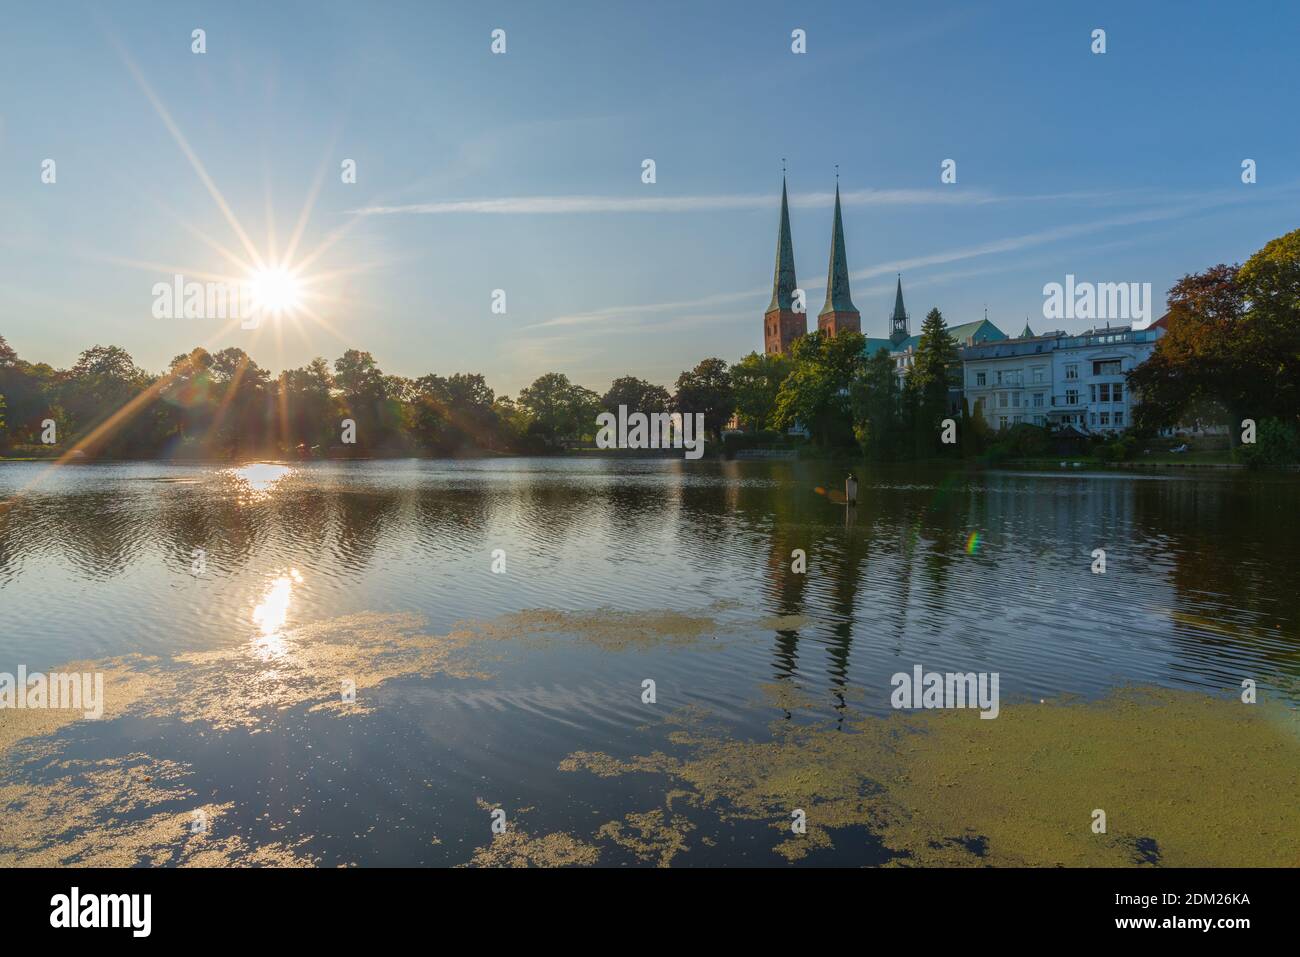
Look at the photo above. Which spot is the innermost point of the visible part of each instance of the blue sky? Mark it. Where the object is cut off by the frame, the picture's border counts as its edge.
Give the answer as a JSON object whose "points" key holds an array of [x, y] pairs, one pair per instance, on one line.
{"points": [[523, 171]]}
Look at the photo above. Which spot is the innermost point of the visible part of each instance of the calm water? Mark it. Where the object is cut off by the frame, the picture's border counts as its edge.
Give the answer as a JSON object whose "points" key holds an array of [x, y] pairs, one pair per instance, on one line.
{"points": [[968, 571]]}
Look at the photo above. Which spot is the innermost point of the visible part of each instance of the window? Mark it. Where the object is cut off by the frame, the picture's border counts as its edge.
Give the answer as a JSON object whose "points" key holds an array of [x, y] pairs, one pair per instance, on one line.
{"points": [[1093, 417], [1071, 396], [1038, 376], [1105, 420], [981, 378], [1002, 422], [1040, 420], [1002, 400], [1015, 420], [1092, 393], [1119, 419], [1117, 392], [1072, 371], [1104, 390], [1038, 400], [1015, 400], [1106, 367]]}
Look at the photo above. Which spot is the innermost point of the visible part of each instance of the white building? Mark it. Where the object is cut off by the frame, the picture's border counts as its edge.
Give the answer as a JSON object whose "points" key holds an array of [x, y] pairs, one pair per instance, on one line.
{"points": [[1057, 379]]}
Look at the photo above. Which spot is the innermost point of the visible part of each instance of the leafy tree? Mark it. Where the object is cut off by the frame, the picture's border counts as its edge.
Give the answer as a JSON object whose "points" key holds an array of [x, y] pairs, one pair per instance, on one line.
{"points": [[30, 391], [816, 393], [310, 413], [707, 389], [874, 397], [1202, 359], [638, 395], [104, 387], [756, 381], [560, 410], [1277, 445], [1270, 281]]}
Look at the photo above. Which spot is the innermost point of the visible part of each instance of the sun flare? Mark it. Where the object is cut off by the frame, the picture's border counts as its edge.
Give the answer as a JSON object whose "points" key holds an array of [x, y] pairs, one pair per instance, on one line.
{"points": [[275, 291]]}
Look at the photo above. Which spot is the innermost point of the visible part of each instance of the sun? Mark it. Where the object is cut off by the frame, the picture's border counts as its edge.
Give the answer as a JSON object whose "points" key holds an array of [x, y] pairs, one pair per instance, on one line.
{"points": [[275, 291]]}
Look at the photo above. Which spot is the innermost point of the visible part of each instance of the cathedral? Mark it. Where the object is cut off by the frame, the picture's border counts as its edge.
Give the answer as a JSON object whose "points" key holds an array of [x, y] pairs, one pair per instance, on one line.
{"points": [[786, 316]]}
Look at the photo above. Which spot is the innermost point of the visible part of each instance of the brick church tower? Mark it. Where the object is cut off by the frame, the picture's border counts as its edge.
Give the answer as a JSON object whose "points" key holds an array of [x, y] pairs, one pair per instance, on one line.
{"points": [[781, 324], [839, 314]]}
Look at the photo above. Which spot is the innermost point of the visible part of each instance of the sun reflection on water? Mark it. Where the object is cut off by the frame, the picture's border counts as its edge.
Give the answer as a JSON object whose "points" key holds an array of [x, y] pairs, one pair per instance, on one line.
{"points": [[271, 613], [257, 479]]}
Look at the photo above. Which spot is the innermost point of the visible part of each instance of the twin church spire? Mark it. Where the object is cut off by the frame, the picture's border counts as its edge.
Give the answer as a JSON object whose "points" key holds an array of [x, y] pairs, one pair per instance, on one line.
{"points": [[786, 319]]}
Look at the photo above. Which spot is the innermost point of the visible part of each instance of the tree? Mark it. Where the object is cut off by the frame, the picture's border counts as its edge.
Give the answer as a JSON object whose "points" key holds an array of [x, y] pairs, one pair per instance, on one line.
{"points": [[707, 389], [816, 393], [309, 410], [638, 395], [1270, 281], [928, 380], [756, 381], [1209, 356], [102, 388], [560, 410], [874, 398], [365, 393]]}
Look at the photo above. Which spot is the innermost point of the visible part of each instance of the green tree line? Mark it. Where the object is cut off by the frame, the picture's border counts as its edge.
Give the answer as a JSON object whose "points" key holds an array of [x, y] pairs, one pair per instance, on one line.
{"points": [[1231, 352]]}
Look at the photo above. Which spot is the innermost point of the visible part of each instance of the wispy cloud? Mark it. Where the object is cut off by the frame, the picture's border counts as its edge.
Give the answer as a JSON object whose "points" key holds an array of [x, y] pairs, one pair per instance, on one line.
{"points": [[550, 205], [1009, 244]]}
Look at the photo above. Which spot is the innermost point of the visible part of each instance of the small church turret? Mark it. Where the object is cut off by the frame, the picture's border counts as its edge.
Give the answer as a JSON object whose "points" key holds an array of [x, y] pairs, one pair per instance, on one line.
{"points": [[898, 321]]}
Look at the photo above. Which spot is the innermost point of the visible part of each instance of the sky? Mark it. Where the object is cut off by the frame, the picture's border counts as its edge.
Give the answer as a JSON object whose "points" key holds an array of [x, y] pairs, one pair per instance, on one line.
{"points": [[522, 171]]}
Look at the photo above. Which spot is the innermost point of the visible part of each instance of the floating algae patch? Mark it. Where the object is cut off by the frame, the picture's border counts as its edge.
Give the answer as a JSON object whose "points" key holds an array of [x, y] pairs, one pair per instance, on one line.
{"points": [[516, 847], [655, 836], [124, 684], [120, 812], [239, 685], [1184, 779], [234, 687], [605, 628]]}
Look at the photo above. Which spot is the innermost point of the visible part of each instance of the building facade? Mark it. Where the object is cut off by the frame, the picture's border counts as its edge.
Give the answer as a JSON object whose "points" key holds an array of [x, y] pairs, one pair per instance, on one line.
{"points": [[1057, 379], [901, 345]]}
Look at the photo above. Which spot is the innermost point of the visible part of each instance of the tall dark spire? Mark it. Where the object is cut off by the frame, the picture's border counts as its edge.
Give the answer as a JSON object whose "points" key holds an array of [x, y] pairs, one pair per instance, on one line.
{"points": [[898, 322], [782, 325], [783, 281], [838, 299]]}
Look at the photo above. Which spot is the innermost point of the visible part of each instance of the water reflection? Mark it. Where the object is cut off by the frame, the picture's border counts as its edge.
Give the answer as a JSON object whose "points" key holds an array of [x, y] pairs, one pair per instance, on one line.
{"points": [[271, 613], [258, 478], [948, 569]]}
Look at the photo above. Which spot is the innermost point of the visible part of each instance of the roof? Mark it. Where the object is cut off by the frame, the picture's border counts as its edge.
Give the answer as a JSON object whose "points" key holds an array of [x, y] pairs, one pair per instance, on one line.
{"points": [[980, 331], [899, 312], [837, 273], [783, 281]]}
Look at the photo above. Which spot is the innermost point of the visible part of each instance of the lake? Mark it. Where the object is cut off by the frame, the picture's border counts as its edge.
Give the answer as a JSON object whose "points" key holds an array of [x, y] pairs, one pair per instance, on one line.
{"points": [[446, 662]]}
